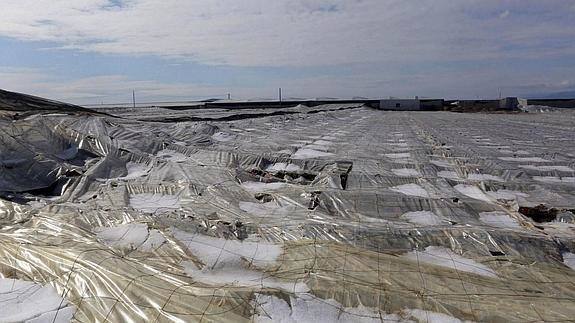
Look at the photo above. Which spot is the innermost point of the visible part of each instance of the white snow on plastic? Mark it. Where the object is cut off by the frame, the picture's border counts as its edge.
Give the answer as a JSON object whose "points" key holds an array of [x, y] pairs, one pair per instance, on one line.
{"points": [[548, 168], [472, 191], [441, 163], [569, 259], [239, 276], [285, 167], [223, 136], [406, 172], [398, 155], [307, 308], [230, 262], [432, 317], [554, 179], [24, 301], [155, 203], [257, 187], [445, 257], [506, 194], [323, 143], [306, 153], [449, 174], [499, 219], [472, 177], [316, 147], [524, 159], [219, 252], [423, 218], [131, 236], [410, 189], [136, 170]]}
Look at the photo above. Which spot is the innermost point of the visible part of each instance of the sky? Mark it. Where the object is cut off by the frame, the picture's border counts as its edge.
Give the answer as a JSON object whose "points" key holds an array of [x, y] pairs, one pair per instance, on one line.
{"points": [[99, 51]]}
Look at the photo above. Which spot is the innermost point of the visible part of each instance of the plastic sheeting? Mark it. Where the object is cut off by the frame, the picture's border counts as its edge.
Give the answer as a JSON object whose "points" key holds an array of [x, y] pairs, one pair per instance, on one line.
{"points": [[327, 213]]}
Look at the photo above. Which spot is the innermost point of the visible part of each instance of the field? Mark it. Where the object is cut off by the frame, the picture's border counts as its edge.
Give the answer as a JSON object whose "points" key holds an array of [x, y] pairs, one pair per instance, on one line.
{"points": [[339, 212]]}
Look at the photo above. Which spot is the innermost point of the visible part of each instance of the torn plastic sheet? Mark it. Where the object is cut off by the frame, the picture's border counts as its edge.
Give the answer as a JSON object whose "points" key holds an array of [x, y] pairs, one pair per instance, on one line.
{"points": [[340, 211]]}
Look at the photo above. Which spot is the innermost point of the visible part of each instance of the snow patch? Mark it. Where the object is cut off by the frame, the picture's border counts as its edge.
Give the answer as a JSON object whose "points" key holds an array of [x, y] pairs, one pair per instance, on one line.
{"points": [[423, 218], [448, 174], [506, 194], [473, 192], [223, 136], [316, 147], [410, 189], [445, 257], [398, 155], [136, 170], [406, 172], [24, 301], [258, 187], [569, 259], [555, 179], [441, 163], [499, 219], [524, 159], [230, 262], [285, 167], [307, 308], [240, 277], [548, 168], [323, 143], [131, 236], [472, 177], [432, 317], [306, 153], [221, 253], [155, 203]]}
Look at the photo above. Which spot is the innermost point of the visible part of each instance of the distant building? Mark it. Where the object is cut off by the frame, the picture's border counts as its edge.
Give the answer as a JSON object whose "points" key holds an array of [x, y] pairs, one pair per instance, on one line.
{"points": [[432, 104], [400, 104], [555, 103], [508, 104]]}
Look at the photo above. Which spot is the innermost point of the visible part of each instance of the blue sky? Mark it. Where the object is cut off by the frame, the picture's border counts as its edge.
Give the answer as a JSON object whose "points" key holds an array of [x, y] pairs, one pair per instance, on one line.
{"points": [[93, 51]]}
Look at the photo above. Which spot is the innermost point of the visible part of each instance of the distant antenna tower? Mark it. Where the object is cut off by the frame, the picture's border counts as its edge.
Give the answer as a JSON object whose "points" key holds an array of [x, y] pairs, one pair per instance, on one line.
{"points": [[280, 94], [134, 98]]}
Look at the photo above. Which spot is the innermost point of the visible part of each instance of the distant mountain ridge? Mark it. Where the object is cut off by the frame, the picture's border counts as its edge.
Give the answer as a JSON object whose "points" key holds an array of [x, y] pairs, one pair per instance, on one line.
{"points": [[556, 95], [18, 102]]}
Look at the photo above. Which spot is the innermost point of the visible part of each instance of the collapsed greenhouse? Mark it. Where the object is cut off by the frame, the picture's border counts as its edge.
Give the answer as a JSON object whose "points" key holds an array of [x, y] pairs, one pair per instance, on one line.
{"points": [[331, 213]]}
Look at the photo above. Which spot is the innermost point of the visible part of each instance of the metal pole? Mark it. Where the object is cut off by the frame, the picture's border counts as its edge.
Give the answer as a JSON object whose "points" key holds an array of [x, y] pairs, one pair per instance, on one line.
{"points": [[280, 94], [134, 98]]}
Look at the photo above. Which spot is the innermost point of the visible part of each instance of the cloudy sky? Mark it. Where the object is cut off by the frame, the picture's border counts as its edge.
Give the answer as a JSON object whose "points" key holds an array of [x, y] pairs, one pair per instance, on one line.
{"points": [[93, 51]]}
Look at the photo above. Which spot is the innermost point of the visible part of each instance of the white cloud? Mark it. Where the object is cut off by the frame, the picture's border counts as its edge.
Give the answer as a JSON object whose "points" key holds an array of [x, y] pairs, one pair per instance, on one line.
{"points": [[504, 14], [293, 32]]}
